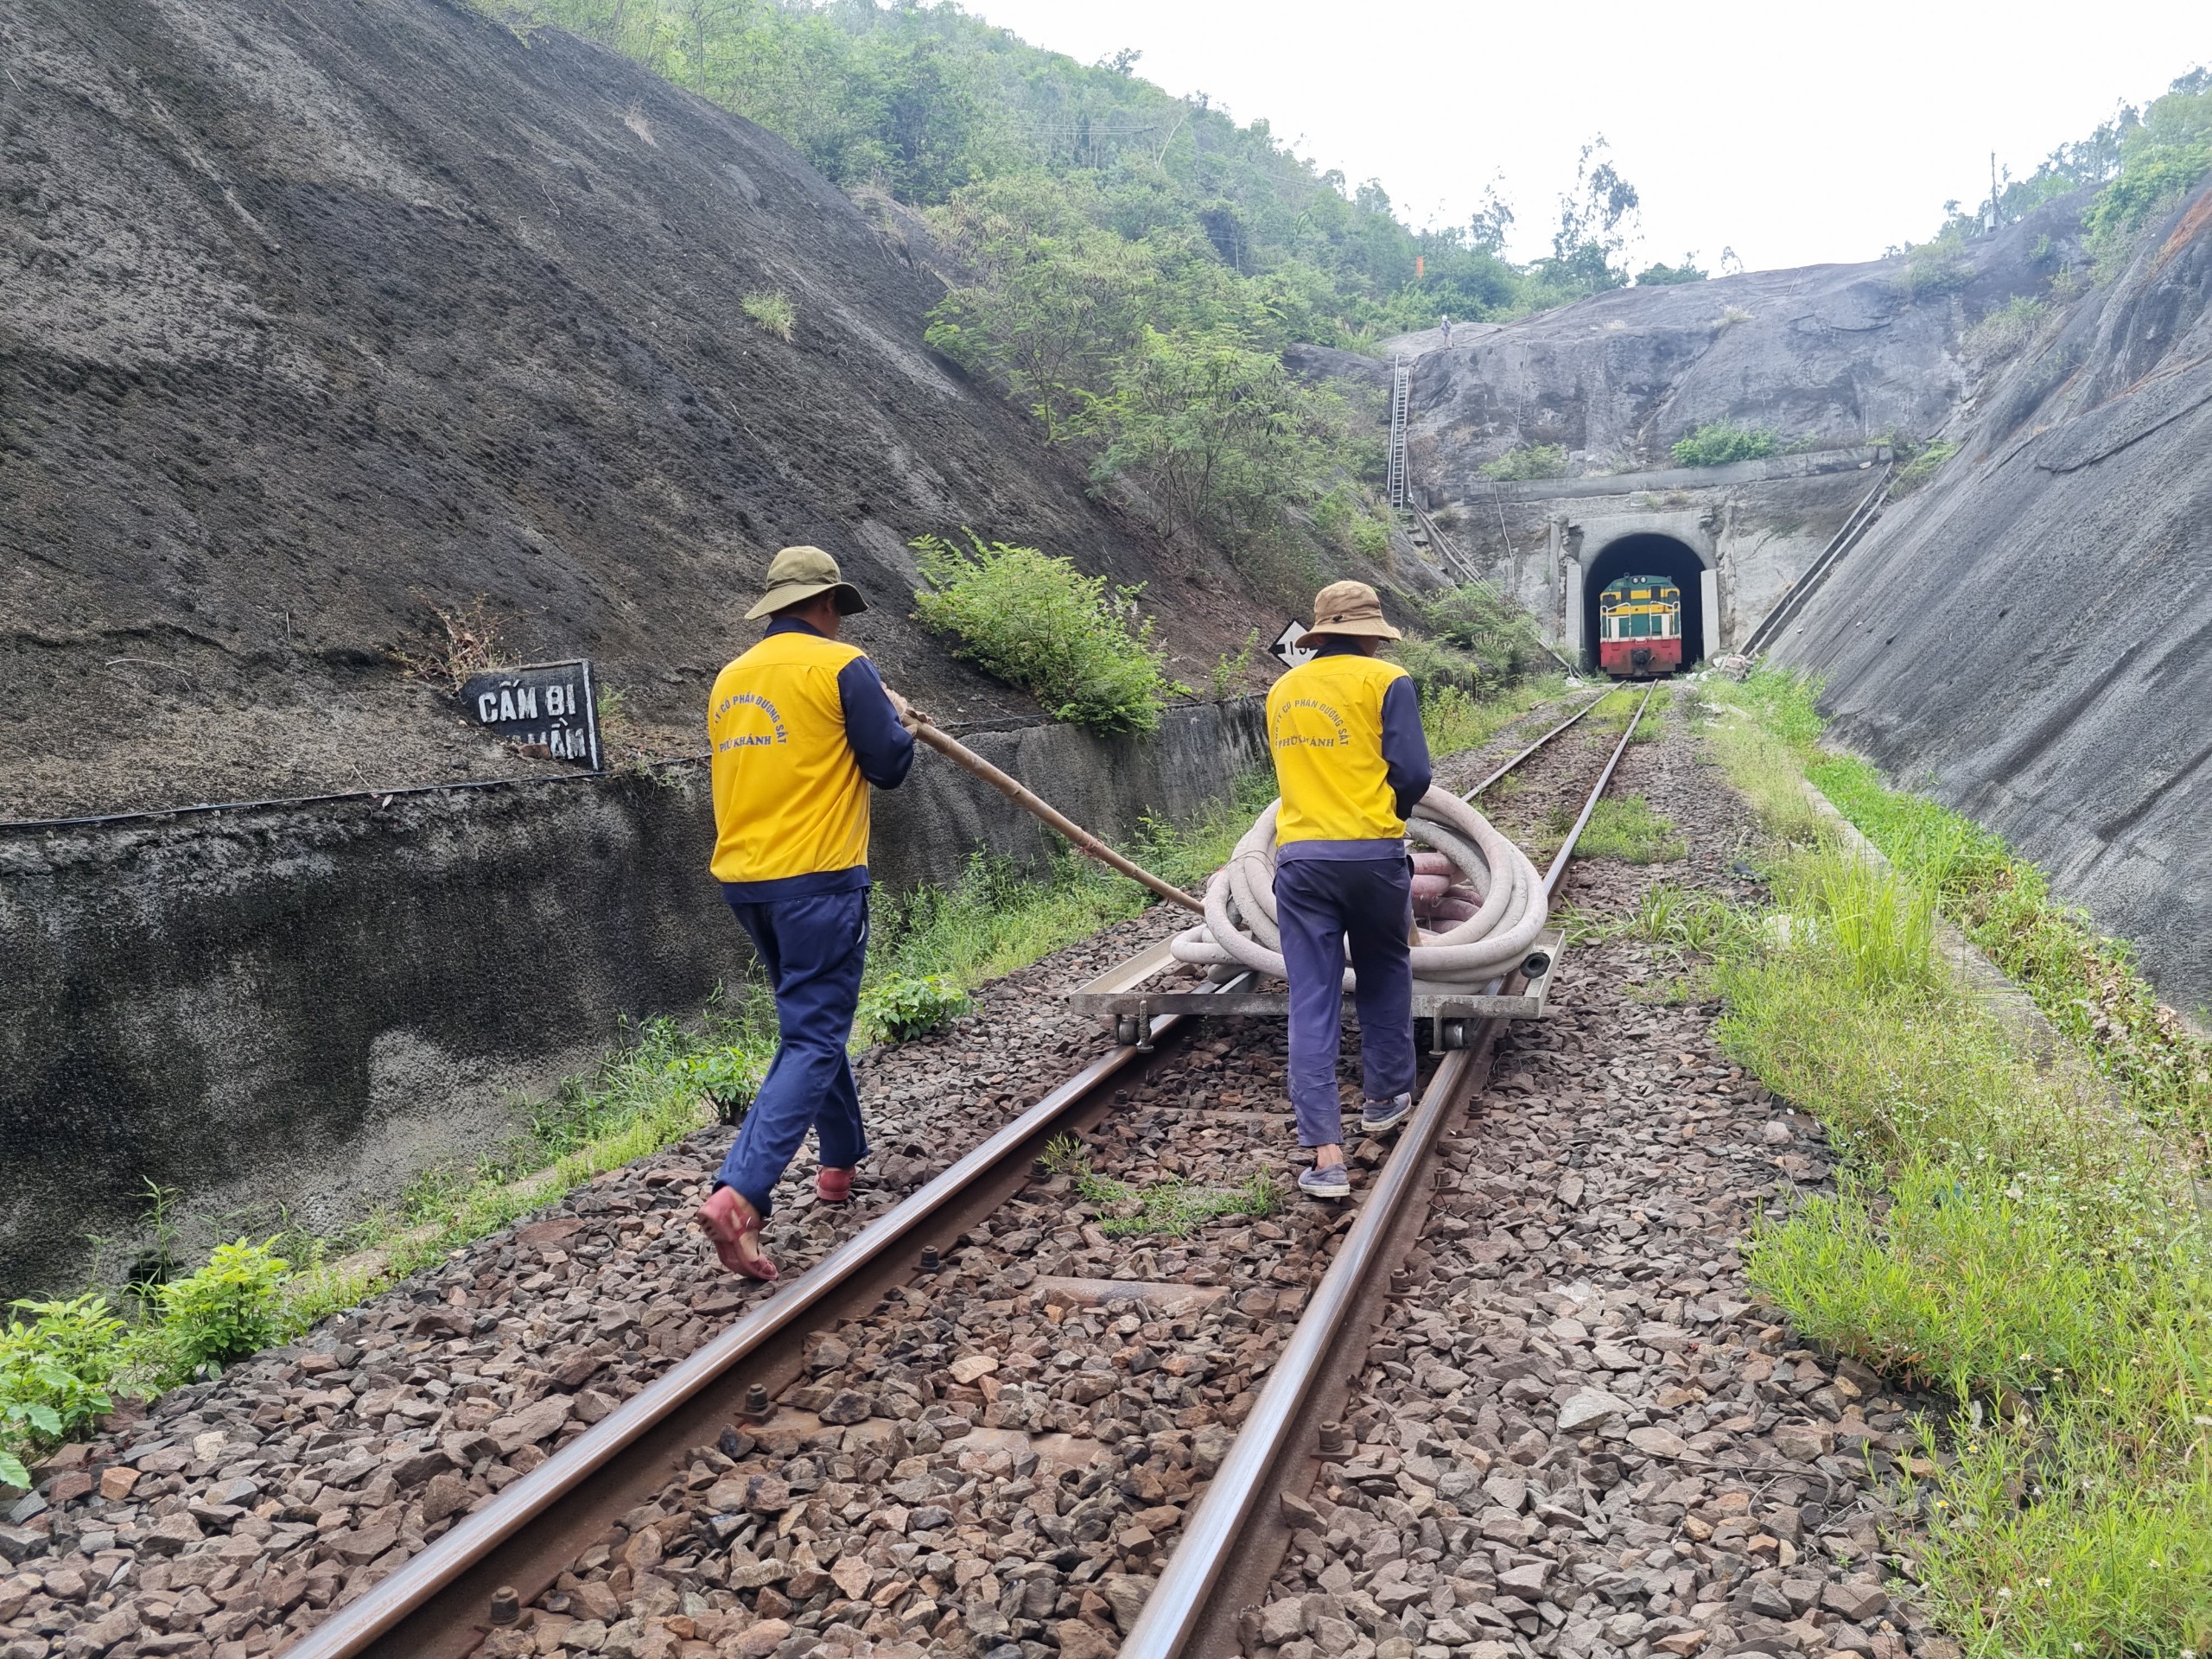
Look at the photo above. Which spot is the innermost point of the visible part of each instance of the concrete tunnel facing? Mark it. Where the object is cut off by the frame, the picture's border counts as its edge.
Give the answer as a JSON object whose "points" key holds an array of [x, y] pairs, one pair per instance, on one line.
{"points": [[1647, 554]]}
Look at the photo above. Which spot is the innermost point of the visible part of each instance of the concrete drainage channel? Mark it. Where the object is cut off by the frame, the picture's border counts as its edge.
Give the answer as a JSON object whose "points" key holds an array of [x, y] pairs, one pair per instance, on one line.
{"points": [[770, 1431]]}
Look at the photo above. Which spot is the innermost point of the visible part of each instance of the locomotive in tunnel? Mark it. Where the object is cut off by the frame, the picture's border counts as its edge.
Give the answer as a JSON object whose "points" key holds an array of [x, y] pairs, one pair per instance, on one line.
{"points": [[1651, 562], [1639, 627]]}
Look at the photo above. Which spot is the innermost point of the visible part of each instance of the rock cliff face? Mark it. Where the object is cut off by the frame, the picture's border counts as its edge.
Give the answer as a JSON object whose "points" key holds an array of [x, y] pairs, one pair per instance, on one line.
{"points": [[322, 316], [2027, 637], [1826, 357]]}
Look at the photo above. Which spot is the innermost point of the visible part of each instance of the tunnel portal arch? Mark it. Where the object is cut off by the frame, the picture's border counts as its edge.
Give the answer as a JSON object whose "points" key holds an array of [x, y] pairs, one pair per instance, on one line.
{"points": [[1648, 554]]}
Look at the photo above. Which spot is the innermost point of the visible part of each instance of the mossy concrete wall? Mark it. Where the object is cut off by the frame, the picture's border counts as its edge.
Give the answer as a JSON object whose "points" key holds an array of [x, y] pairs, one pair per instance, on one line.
{"points": [[291, 1010]]}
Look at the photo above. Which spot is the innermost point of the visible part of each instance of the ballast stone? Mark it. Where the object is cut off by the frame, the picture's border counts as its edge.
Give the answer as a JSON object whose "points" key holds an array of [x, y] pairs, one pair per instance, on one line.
{"points": [[1591, 1407]]}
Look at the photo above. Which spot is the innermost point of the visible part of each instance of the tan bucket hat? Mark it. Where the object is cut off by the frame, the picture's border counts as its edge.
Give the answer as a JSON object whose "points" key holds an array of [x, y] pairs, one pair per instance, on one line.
{"points": [[1347, 607], [800, 573]]}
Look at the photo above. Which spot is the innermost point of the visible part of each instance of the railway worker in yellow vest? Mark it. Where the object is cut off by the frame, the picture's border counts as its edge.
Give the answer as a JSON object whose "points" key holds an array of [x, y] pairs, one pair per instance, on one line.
{"points": [[799, 727], [1349, 762]]}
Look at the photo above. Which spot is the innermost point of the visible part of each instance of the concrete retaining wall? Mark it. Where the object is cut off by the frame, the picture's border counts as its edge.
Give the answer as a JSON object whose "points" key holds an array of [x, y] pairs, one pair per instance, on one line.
{"points": [[293, 1010]]}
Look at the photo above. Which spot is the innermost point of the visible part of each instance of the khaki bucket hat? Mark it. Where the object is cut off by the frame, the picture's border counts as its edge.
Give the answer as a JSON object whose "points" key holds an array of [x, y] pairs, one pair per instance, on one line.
{"points": [[800, 573], [1347, 607]]}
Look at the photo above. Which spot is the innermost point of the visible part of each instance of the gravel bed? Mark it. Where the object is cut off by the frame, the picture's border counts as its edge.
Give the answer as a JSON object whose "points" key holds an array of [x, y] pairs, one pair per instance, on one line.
{"points": [[234, 1514], [1577, 1434], [997, 1460]]}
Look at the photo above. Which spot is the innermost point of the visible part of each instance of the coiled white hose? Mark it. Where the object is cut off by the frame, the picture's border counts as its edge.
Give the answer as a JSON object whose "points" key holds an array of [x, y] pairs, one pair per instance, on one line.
{"points": [[1486, 899]]}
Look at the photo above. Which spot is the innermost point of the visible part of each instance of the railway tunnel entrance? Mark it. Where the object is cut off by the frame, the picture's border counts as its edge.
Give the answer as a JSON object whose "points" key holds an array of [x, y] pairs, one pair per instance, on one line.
{"points": [[1648, 554]]}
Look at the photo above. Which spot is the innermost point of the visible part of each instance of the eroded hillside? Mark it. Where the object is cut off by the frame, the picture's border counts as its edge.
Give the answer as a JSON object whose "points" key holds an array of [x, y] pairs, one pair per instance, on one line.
{"points": [[323, 318]]}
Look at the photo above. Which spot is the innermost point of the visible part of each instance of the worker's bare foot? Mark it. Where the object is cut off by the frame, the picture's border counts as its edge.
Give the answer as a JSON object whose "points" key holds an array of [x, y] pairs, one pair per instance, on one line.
{"points": [[735, 1225], [833, 1186]]}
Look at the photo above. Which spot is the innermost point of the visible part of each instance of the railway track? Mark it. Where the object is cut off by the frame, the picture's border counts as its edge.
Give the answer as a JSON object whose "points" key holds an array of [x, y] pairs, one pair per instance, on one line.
{"points": [[841, 1399]]}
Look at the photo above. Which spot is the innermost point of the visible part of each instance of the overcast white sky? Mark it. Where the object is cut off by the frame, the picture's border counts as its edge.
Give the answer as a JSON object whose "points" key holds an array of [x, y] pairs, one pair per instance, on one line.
{"points": [[1796, 134]]}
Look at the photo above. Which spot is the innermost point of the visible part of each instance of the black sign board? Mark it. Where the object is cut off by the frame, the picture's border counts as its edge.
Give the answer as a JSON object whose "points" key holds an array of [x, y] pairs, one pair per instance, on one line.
{"points": [[544, 705], [1285, 649]]}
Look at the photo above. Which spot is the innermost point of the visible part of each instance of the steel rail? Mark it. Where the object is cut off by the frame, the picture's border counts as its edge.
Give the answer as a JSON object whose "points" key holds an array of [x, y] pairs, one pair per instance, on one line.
{"points": [[1566, 847], [1538, 744], [1182, 1614], [437, 1605], [1171, 1612]]}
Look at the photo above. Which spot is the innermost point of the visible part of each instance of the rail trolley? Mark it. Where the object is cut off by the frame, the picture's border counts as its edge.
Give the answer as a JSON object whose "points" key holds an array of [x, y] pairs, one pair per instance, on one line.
{"points": [[1639, 627]]}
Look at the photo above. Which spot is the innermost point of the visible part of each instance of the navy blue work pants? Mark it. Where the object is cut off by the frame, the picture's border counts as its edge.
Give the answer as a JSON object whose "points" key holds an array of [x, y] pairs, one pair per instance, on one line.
{"points": [[1323, 905], [814, 949]]}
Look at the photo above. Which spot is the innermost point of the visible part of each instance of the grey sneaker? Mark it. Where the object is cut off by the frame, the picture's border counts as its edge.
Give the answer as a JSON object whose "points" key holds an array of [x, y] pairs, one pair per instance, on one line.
{"points": [[1377, 1116], [1330, 1183]]}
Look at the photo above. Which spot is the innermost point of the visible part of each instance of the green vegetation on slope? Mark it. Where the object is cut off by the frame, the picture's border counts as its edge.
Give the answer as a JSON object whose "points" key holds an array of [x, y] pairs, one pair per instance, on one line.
{"points": [[1037, 622], [2002, 1230], [2145, 159], [1127, 265]]}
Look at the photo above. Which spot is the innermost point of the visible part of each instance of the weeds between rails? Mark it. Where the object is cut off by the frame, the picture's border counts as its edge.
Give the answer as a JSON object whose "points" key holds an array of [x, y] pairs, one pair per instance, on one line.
{"points": [[1038, 1415]]}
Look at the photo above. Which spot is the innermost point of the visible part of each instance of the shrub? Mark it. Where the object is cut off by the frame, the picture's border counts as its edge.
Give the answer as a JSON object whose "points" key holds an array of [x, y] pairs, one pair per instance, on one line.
{"points": [[1038, 623], [773, 312], [906, 1007], [465, 641], [1934, 267], [1532, 461], [231, 1307], [730, 1078], [2005, 330], [1351, 524], [1880, 928], [55, 1376], [1228, 672], [1923, 466], [2162, 159], [1434, 665], [1478, 620], [1218, 435], [1718, 443]]}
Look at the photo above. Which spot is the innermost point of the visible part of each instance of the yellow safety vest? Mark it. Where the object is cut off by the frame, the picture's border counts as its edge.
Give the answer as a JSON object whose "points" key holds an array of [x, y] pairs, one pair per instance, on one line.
{"points": [[1325, 726], [789, 796]]}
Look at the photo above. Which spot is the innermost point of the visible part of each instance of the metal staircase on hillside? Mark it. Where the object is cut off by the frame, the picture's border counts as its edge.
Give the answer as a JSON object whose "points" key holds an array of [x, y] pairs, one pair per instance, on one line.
{"points": [[1401, 380], [1787, 608]]}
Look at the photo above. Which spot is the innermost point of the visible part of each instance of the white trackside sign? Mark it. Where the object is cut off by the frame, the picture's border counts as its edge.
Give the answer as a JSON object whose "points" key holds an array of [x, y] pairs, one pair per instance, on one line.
{"points": [[1285, 650]]}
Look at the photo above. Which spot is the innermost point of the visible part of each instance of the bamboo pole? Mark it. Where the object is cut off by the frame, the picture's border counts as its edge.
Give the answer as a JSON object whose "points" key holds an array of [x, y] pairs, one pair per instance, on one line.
{"points": [[1084, 842]]}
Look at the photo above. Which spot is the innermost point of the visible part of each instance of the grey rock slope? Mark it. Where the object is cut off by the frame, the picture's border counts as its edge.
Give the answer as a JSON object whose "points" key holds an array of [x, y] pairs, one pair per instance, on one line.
{"points": [[2027, 637], [320, 317], [1825, 355]]}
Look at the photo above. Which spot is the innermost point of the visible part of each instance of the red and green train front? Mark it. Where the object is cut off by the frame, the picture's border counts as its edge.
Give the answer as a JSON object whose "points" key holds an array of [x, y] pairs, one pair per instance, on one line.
{"points": [[1639, 627]]}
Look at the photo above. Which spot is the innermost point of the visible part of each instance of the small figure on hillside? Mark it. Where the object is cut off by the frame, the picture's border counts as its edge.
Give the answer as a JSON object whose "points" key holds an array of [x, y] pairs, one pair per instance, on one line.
{"points": [[1350, 762], [1447, 328], [799, 727]]}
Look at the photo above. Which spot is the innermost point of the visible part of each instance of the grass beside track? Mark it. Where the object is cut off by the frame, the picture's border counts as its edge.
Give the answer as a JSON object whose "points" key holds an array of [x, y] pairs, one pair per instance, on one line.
{"points": [[2031, 1241]]}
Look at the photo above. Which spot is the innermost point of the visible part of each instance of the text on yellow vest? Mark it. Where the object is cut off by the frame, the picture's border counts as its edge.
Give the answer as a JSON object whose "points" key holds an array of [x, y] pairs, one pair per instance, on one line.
{"points": [[1324, 727], [789, 796]]}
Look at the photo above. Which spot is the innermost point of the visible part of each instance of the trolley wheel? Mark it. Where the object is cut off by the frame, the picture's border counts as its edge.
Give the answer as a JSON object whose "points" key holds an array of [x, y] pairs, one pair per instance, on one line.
{"points": [[1128, 1028], [1456, 1033]]}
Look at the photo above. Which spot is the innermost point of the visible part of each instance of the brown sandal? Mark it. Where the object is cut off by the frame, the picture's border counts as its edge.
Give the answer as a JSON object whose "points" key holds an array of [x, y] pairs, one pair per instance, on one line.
{"points": [[727, 1218]]}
